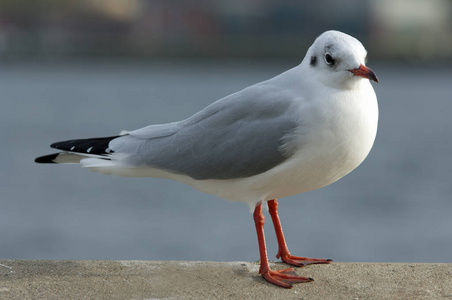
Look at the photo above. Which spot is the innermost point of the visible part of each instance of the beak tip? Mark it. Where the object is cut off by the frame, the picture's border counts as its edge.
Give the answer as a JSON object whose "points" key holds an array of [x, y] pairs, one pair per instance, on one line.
{"points": [[376, 79]]}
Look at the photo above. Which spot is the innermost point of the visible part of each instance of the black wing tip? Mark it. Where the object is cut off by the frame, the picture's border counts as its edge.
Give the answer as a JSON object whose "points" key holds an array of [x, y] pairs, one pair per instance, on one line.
{"points": [[95, 146], [47, 159], [63, 145]]}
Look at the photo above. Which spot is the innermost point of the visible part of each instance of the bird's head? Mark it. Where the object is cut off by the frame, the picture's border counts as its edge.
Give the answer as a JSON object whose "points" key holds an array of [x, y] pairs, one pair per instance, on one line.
{"points": [[338, 60]]}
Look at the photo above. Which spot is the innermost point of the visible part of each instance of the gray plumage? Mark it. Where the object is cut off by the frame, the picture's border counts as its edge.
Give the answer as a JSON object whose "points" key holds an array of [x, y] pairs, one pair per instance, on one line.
{"points": [[225, 140]]}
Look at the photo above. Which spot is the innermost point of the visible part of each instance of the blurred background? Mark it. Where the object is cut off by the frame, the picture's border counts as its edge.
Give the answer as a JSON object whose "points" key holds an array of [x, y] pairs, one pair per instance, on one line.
{"points": [[87, 68], [254, 29]]}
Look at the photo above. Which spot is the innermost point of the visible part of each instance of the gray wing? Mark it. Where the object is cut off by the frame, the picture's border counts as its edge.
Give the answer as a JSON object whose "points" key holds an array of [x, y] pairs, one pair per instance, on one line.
{"points": [[238, 136]]}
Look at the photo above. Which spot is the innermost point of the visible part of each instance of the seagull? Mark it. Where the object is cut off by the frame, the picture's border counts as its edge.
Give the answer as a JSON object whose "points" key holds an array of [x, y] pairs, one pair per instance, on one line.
{"points": [[299, 131]]}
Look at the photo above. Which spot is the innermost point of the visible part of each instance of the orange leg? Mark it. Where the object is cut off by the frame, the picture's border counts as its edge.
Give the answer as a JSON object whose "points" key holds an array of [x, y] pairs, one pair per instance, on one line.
{"points": [[284, 278], [283, 251]]}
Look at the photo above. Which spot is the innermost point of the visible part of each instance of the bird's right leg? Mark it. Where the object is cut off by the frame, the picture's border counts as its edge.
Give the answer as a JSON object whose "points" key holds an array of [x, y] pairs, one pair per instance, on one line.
{"points": [[284, 278], [283, 251]]}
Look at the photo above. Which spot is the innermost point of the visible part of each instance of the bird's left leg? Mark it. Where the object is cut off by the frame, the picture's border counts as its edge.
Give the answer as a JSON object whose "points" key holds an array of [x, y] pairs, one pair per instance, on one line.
{"points": [[284, 278], [283, 251]]}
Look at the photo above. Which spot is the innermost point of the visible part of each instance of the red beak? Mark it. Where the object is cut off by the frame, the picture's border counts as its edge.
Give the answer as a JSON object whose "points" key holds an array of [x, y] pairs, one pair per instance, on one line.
{"points": [[364, 72]]}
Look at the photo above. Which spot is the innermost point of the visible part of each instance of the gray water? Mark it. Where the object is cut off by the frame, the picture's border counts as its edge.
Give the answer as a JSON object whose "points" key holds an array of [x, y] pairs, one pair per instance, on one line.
{"points": [[396, 207]]}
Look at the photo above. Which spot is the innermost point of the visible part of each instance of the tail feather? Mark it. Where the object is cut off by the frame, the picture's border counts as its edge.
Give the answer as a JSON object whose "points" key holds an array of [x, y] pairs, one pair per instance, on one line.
{"points": [[47, 159], [60, 158]]}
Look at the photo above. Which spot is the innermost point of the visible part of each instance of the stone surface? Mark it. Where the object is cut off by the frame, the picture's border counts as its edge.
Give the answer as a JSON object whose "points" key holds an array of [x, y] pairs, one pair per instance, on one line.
{"points": [[39, 279]]}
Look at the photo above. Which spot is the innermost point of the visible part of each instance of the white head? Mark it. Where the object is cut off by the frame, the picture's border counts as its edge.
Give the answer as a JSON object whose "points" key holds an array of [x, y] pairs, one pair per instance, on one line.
{"points": [[338, 60]]}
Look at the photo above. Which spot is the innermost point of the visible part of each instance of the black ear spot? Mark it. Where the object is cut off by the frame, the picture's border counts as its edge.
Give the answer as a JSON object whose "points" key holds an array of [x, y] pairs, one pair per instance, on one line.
{"points": [[313, 60]]}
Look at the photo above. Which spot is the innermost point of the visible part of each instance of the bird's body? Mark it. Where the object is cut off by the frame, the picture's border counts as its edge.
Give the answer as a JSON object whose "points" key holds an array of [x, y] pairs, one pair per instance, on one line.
{"points": [[299, 131], [337, 142]]}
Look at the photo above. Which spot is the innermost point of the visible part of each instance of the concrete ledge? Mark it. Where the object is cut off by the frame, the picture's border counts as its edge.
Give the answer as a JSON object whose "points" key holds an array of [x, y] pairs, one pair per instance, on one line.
{"points": [[37, 279]]}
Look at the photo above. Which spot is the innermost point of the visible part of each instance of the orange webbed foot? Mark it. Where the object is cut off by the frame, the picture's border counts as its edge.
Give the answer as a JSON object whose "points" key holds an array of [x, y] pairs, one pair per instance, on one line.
{"points": [[284, 278], [299, 261]]}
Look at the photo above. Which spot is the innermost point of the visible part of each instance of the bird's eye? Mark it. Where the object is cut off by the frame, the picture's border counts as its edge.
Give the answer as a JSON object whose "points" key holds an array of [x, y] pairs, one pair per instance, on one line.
{"points": [[329, 59]]}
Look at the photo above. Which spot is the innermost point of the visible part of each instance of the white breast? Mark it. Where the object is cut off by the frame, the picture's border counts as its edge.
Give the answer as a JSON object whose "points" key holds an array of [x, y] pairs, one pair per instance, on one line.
{"points": [[336, 139]]}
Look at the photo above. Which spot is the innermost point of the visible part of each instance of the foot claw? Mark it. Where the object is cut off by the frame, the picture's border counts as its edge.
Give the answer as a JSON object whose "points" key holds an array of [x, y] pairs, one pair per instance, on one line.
{"points": [[284, 278], [299, 261]]}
